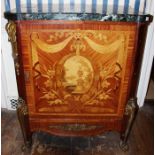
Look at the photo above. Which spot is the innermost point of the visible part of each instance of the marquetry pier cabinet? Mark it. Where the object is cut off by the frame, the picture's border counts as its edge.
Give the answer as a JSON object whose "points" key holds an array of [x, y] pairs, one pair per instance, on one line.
{"points": [[77, 74]]}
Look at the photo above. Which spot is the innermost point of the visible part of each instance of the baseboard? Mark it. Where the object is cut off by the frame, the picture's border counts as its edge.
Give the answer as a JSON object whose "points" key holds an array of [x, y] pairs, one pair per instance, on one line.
{"points": [[149, 101]]}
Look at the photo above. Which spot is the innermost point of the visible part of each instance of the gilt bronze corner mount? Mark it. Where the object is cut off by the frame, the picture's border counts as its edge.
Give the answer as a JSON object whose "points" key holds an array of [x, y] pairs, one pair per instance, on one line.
{"points": [[131, 106], [22, 106], [11, 30]]}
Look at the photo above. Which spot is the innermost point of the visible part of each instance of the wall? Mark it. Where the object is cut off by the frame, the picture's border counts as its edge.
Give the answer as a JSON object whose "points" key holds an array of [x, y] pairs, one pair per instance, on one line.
{"points": [[147, 58], [99, 6], [9, 86]]}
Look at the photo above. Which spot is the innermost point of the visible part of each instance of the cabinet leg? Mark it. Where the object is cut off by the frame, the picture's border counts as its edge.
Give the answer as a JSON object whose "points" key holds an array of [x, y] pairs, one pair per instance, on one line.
{"points": [[130, 111], [22, 113]]}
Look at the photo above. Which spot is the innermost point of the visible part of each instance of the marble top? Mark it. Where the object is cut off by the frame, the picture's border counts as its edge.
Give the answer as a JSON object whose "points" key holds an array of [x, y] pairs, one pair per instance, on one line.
{"points": [[34, 14], [78, 16]]}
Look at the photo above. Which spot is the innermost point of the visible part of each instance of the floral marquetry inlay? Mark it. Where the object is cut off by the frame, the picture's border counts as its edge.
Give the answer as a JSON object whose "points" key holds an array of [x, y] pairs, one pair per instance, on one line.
{"points": [[76, 69]]}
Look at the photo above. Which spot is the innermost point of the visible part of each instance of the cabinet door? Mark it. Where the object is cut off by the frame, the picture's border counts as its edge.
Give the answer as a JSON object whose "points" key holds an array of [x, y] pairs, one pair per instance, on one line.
{"points": [[77, 68]]}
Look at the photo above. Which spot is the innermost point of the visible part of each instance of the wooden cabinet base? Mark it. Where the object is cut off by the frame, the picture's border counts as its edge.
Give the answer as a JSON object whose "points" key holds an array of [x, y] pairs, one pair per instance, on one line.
{"points": [[77, 78]]}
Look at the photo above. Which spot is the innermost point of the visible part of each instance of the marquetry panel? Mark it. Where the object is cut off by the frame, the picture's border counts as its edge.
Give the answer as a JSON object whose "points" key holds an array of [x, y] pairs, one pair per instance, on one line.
{"points": [[77, 67]]}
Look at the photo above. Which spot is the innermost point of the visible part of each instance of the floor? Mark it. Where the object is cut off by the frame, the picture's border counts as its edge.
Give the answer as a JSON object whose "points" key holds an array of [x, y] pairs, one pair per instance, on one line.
{"points": [[150, 91], [141, 141]]}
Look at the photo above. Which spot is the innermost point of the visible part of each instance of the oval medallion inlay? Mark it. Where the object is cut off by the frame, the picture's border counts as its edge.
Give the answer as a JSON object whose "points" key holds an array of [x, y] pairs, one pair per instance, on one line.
{"points": [[77, 74]]}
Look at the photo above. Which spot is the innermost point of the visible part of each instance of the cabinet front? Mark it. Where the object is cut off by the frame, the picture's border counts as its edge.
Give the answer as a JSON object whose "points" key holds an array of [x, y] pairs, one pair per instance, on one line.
{"points": [[77, 68]]}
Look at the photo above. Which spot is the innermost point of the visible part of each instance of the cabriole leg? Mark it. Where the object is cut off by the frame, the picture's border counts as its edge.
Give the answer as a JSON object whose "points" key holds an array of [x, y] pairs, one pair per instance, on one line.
{"points": [[130, 112], [22, 113]]}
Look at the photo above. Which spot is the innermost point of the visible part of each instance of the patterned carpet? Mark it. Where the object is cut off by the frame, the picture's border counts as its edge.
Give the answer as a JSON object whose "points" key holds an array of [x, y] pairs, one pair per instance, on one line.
{"points": [[45, 144]]}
